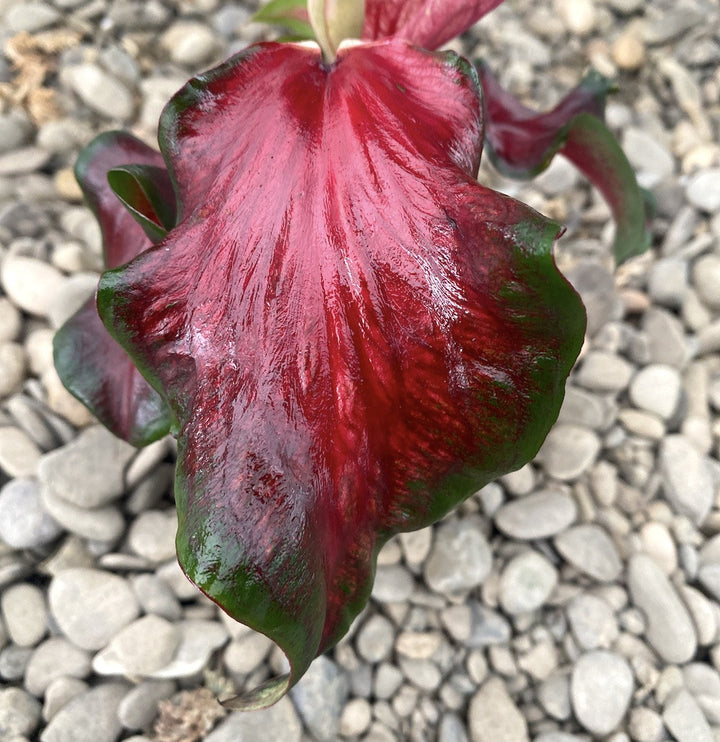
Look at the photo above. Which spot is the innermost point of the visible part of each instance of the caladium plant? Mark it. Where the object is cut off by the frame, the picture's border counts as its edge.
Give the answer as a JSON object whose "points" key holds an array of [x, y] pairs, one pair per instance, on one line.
{"points": [[345, 331]]}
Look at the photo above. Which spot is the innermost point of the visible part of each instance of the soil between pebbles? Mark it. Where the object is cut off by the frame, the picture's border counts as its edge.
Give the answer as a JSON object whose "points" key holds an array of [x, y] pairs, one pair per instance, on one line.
{"points": [[576, 599]]}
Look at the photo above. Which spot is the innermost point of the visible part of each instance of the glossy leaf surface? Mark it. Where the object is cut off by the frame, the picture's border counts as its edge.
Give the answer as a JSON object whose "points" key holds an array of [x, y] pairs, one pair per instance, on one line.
{"points": [[426, 23], [522, 142], [90, 363], [353, 334]]}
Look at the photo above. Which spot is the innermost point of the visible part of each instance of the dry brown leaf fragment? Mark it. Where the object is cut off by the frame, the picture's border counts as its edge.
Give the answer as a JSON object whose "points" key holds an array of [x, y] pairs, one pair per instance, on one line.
{"points": [[188, 717], [33, 58]]}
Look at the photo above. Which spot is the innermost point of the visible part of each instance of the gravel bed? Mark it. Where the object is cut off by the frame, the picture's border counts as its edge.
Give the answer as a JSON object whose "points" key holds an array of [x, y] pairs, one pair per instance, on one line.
{"points": [[576, 599]]}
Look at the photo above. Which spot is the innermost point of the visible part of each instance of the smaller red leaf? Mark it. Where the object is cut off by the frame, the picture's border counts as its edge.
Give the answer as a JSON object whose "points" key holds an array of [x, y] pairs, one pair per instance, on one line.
{"points": [[426, 23], [522, 142], [92, 366]]}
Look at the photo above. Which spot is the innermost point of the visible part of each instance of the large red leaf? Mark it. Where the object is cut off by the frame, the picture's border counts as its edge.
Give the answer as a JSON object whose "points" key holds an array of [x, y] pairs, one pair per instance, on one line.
{"points": [[352, 333], [89, 362], [427, 23], [522, 142]]}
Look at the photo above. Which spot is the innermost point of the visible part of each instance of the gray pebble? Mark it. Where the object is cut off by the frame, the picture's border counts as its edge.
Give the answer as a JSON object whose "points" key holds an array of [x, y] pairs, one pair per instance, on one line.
{"points": [[460, 558], [651, 159], [19, 455], [645, 725], [25, 614], [387, 680], [375, 638], [74, 292], [91, 606], [668, 282], [393, 584], [100, 91], [10, 321], [487, 627], [88, 472], [539, 515], [589, 549], [12, 368], [189, 44], [684, 719], [319, 698], [15, 130], [687, 478], [568, 451], [586, 409], [31, 17], [601, 688], [602, 371], [152, 535], [23, 161], [155, 596], [97, 524], [14, 661], [494, 717], [703, 190], [592, 621], [54, 658], [670, 629], [554, 696], [199, 638], [244, 654], [277, 722], [139, 707], [706, 279], [19, 713], [89, 717], [657, 388], [59, 692], [666, 339], [24, 524], [526, 582], [139, 649], [30, 283]]}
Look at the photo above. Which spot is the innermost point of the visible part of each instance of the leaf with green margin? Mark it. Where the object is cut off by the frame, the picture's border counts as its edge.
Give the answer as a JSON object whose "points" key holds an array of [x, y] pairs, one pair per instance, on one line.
{"points": [[147, 193], [91, 365], [292, 14], [522, 142], [351, 343]]}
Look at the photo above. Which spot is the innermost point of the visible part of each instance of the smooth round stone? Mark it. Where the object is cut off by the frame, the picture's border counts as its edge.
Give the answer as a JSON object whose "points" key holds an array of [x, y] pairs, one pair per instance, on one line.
{"points": [[526, 583], [416, 545], [97, 524], [586, 409], [540, 515], [670, 630], [10, 321], [91, 606], [31, 17], [650, 158], [12, 368], [198, 640], [554, 696], [189, 44], [687, 478], [279, 722], [88, 717], [100, 91], [59, 692], [460, 558], [656, 388], [356, 717], [19, 713], [246, 653], [319, 698], [155, 596], [19, 455], [152, 535], [23, 608], [24, 524], [657, 541], [393, 584], [139, 707], [75, 291], [568, 451], [30, 283], [494, 717], [684, 719], [706, 277], [589, 549], [642, 424], [592, 621], [602, 371], [375, 638], [668, 282], [645, 725], [140, 648], [55, 658], [601, 689], [628, 51], [89, 471], [703, 190]]}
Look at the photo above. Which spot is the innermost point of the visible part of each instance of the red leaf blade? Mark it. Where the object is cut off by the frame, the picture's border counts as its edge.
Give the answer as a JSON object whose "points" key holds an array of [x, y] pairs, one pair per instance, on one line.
{"points": [[353, 334]]}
